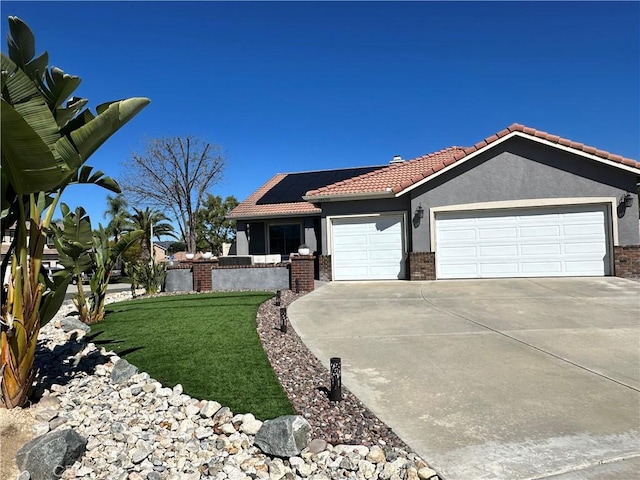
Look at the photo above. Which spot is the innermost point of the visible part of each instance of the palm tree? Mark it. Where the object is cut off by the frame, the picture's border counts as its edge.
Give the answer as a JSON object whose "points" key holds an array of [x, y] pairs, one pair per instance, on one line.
{"points": [[148, 220], [117, 214], [45, 145]]}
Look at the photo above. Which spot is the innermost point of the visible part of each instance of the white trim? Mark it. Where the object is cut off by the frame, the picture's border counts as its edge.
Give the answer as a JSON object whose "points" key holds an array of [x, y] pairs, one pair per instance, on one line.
{"points": [[507, 137], [528, 203], [395, 213]]}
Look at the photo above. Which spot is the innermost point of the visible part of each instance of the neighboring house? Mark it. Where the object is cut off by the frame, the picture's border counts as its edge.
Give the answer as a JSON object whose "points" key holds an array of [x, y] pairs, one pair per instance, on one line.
{"points": [[521, 203], [159, 252]]}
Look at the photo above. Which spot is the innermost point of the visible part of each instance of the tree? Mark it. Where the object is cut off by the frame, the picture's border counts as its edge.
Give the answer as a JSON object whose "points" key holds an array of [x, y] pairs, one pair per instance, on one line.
{"points": [[172, 175], [44, 149], [146, 220], [212, 227], [117, 214], [176, 247]]}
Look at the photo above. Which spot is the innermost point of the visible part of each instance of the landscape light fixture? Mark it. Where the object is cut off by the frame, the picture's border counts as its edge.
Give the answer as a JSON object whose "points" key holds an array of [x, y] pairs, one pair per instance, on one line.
{"points": [[419, 211]]}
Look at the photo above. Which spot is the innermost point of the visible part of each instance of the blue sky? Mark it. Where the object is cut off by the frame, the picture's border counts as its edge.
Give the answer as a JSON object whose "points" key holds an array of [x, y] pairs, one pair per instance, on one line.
{"points": [[297, 86]]}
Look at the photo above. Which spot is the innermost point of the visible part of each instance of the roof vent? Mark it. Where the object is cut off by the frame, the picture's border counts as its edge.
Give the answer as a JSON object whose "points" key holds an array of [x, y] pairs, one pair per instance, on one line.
{"points": [[396, 159]]}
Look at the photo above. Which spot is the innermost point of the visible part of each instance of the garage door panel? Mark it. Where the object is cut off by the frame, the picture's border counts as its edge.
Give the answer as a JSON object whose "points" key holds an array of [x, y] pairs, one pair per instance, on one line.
{"points": [[540, 232], [498, 251], [459, 235], [461, 270], [541, 268], [541, 249], [368, 248], [458, 252], [490, 233], [582, 230], [578, 248], [548, 241]]}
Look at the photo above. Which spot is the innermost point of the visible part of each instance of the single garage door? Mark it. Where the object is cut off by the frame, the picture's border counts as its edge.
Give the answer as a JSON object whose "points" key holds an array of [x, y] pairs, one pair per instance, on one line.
{"points": [[533, 242], [368, 248]]}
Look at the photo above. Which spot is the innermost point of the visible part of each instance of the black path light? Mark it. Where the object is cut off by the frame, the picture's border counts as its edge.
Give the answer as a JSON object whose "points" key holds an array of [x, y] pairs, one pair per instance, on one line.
{"points": [[335, 394], [283, 319], [278, 297]]}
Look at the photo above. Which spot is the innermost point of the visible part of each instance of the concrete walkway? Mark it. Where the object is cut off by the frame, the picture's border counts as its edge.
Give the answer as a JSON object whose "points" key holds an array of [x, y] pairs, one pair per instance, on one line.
{"points": [[492, 379]]}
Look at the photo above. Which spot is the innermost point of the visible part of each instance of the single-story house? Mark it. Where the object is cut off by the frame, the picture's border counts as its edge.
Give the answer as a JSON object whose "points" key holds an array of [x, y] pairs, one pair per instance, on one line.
{"points": [[520, 203]]}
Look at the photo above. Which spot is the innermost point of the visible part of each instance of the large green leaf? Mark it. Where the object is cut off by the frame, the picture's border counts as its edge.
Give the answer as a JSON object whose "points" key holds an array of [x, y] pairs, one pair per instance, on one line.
{"points": [[26, 99], [98, 130], [124, 243], [86, 175], [64, 115], [53, 299], [21, 42], [37, 67], [60, 86], [28, 162]]}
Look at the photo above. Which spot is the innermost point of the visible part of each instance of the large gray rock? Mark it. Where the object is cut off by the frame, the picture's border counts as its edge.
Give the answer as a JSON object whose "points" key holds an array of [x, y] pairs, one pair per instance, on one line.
{"points": [[70, 323], [46, 457], [123, 371], [284, 436]]}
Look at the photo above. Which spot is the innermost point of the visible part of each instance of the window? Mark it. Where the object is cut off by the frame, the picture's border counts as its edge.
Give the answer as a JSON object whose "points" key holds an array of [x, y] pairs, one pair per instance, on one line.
{"points": [[284, 238]]}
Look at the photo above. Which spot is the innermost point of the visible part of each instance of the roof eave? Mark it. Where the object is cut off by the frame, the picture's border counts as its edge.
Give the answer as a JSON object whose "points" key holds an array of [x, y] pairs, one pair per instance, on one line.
{"points": [[273, 215], [342, 197], [507, 137]]}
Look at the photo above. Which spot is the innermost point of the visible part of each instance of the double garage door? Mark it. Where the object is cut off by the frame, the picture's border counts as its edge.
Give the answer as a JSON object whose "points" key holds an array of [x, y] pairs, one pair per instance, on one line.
{"points": [[535, 242], [368, 248]]}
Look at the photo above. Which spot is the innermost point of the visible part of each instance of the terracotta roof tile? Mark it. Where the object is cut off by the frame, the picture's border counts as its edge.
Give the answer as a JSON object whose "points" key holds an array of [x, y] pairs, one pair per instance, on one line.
{"points": [[251, 208], [398, 177], [393, 178]]}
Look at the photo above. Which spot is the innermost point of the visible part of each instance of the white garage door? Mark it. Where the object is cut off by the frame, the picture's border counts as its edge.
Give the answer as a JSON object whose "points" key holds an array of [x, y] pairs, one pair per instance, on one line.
{"points": [[534, 242], [367, 248]]}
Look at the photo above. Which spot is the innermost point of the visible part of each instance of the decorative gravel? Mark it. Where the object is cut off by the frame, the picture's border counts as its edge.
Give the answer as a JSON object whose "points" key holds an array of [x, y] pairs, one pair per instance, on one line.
{"points": [[307, 382]]}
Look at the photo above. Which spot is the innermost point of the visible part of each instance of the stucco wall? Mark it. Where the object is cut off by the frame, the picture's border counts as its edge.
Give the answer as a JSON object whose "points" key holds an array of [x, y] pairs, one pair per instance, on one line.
{"points": [[271, 278], [523, 169], [361, 207], [179, 280]]}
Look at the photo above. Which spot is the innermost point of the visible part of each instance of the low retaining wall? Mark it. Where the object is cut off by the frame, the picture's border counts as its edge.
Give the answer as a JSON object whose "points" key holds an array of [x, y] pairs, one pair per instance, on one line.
{"points": [[250, 277], [179, 280], [209, 275]]}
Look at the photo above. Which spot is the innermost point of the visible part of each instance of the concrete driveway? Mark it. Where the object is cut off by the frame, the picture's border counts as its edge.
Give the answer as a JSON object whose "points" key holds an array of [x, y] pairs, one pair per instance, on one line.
{"points": [[492, 379]]}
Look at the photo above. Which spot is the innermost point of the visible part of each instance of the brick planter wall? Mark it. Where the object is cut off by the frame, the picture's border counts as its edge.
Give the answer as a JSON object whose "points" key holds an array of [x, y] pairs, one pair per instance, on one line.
{"points": [[422, 266], [202, 275], [302, 269], [626, 261], [324, 269]]}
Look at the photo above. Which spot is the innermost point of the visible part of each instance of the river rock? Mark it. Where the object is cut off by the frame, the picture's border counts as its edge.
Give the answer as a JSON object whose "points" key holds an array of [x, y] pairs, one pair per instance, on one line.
{"points": [[123, 371], [284, 436], [44, 457]]}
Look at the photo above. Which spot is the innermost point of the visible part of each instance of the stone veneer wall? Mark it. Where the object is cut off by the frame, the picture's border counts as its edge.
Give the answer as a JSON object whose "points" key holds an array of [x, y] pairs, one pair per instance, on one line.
{"points": [[626, 261], [324, 269], [422, 266]]}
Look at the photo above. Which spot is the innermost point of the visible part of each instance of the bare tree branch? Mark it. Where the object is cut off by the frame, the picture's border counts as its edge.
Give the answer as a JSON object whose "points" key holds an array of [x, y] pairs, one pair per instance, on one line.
{"points": [[174, 174]]}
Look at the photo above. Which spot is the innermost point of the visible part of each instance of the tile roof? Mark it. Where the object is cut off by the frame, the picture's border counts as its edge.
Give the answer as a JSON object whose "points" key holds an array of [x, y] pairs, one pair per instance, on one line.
{"points": [[398, 177], [282, 195], [251, 208]]}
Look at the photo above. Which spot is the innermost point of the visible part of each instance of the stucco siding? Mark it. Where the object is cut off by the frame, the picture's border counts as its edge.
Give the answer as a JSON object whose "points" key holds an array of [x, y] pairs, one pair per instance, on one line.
{"points": [[521, 169]]}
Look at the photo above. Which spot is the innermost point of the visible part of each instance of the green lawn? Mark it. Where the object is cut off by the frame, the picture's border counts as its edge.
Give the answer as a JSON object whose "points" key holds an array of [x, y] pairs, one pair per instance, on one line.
{"points": [[208, 343]]}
